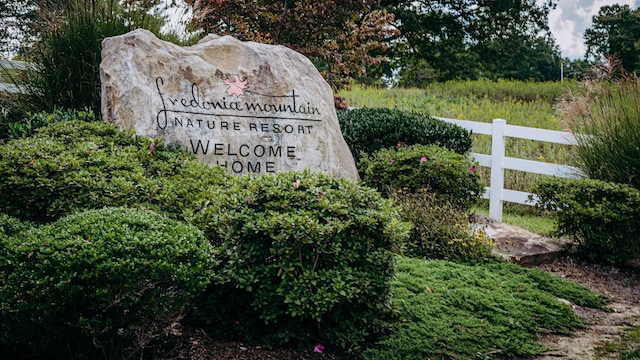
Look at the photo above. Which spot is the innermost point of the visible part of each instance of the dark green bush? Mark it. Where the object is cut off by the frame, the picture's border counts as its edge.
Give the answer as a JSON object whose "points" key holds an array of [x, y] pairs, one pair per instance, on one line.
{"points": [[601, 216], [440, 230], [304, 257], [72, 166], [370, 130], [10, 226], [442, 171], [100, 283]]}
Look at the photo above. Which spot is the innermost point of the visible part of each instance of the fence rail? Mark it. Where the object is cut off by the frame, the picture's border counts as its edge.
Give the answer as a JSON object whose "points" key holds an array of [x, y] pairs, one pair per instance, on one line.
{"points": [[498, 162], [12, 64]]}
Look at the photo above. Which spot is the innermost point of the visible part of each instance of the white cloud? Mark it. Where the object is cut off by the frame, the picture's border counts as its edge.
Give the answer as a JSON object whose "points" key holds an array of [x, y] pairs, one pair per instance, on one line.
{"points": [[572, 17]]}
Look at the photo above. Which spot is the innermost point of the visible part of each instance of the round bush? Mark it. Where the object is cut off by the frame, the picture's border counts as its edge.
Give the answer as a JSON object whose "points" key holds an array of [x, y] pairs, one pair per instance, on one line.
{"points": [[304, 257], [368, 130], [10, 226], [437, 169], [99, 282]]}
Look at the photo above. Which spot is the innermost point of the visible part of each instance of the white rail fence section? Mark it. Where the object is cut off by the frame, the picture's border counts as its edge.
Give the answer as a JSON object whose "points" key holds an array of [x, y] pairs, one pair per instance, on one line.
{"points": [[12, 64], [498, 162]]}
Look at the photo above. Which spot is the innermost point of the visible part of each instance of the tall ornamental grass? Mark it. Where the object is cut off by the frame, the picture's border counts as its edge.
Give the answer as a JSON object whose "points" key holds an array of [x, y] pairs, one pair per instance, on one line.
{"points": [[609, 113]]}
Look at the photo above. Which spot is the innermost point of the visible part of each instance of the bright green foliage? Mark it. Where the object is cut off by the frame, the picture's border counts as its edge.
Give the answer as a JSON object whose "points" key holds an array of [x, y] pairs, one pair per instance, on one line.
{"points": [[440, 230], [72, 166], [435, 168], [608, 114], [99, 283], [601, 216], [370, 129], [452, 311], [304, 257]]}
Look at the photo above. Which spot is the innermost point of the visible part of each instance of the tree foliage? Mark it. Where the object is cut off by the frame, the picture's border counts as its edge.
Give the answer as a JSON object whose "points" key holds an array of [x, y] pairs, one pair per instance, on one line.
{"points": [[468, 39], [615, 31], [340, 37]]}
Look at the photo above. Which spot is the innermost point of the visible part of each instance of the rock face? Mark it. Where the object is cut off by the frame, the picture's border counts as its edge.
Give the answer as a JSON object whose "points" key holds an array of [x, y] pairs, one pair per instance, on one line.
{"points": [[249, 107]]}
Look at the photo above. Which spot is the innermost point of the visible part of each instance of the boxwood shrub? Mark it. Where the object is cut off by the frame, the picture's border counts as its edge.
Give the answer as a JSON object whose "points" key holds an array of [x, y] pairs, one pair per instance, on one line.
{"points": [[371, 129], [432, 167], [72, 166], [98, 284], [601, 216], [304, 258]]}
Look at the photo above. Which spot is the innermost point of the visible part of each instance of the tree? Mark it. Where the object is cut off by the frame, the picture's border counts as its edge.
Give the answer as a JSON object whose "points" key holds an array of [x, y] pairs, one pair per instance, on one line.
{"points": [[615, 30], [341, 37], [468, 39]]}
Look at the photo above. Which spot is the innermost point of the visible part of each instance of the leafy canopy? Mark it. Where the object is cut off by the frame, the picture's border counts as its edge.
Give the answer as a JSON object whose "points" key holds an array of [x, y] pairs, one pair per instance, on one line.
{"points": [[340, 37]]}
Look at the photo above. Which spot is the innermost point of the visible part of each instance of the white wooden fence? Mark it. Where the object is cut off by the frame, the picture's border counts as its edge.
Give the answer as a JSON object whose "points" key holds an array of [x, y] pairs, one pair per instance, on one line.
{"points": [[499, 130], [12, 64]]}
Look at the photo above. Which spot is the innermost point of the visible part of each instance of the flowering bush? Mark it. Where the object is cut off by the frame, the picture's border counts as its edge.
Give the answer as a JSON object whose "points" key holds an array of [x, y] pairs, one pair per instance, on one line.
{"points": [[304, 257], [440, 230], [434, 168]]}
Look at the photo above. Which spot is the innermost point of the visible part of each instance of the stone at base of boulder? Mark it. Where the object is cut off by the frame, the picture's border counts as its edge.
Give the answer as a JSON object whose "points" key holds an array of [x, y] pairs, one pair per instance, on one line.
{"points": [[519, 245]]}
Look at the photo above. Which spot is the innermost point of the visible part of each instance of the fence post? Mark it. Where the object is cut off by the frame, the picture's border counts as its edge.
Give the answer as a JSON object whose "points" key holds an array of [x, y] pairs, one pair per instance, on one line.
{"points": [[497, 169]]}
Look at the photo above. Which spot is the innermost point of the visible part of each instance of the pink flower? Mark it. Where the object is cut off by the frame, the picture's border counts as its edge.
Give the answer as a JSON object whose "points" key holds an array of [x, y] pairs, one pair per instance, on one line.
{"points": [[237, 322], [473, 170], [297, 184], [319, 348], [152, 147], [423, 159], [390, 161]]}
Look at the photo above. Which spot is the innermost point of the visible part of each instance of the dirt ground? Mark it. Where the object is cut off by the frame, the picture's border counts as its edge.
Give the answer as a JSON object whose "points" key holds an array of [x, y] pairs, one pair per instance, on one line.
{"points": [[621, 286]]}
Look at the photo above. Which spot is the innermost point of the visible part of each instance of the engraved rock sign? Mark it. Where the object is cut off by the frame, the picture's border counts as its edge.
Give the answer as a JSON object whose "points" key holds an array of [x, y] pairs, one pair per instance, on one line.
{"points": [[251, 108]]}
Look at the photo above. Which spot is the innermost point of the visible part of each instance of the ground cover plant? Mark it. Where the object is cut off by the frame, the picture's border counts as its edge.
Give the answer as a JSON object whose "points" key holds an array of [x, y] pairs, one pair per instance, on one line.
{"points": [[455, 311]]}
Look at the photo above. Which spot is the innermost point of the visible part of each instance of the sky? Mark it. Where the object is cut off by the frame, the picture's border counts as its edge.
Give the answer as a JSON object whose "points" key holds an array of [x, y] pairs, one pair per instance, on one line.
{"points": [[572, 17]]}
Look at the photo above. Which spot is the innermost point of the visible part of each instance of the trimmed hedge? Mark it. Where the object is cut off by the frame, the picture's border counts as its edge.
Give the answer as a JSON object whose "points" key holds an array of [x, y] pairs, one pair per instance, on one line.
{"points": [[601, 216], [99, 283], [371, 129], [304, 258], [415, 167]]}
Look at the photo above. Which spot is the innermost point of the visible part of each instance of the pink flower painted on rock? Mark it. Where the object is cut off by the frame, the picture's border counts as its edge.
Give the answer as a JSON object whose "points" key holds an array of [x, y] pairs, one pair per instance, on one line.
{"points": [[236, 87], [423, 159], [319, 348]]}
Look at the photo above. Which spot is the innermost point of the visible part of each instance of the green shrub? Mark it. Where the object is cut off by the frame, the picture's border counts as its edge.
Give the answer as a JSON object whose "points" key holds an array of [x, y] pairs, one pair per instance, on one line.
{"points": [[609, 113], [100, 283], [72, 166], [370, 130], [440, 230], [10, 226], [31, 122], [304, 257], [601, 216], [442, 171]]}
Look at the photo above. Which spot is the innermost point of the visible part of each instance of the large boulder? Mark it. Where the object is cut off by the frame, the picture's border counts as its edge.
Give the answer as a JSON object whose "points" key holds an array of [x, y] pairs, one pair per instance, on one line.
{"points": [[250, 107]]}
